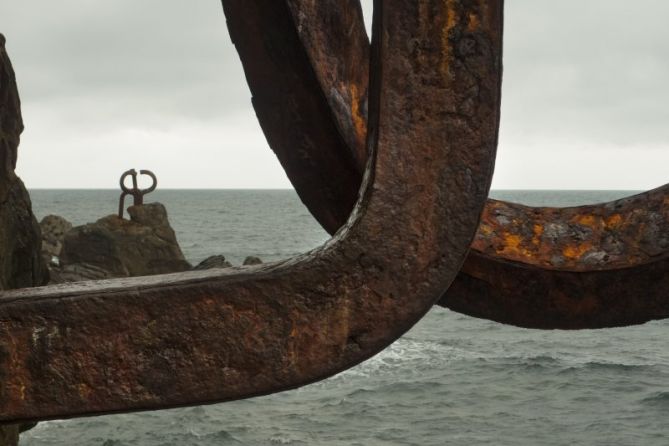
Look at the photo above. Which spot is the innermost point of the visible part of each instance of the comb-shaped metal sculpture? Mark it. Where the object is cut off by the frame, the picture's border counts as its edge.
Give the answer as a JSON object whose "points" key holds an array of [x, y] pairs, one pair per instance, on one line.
{"points": [[203, 337], [136, 193], [533, 267]]}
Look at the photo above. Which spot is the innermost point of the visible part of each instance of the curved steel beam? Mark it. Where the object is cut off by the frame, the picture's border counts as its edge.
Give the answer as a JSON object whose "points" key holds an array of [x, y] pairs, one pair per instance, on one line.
{"points": [[594, 266], [301, 120], [557, 281], [210, 336]]}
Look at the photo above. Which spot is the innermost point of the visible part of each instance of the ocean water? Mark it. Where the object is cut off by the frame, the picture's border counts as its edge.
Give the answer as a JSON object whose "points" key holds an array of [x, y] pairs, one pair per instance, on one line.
{"points": [[451, 380]]}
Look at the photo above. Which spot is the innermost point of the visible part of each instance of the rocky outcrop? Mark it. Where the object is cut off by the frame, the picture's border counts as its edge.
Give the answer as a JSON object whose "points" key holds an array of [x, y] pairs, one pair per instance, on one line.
{"points": [[21, 264], [217, 261], [115, 247], [252, 260], [53, 229]]}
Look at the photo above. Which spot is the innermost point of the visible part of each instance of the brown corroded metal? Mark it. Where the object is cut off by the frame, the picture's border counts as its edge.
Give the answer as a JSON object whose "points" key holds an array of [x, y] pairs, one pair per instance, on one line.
{"points": [[135, 191], [532, 267], [208, 336], [301, 111], [592, 266]]}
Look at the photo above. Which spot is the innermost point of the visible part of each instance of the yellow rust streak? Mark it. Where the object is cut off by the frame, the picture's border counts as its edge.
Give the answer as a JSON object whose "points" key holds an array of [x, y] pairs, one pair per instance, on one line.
{"points": [[359, 121], [451, 22], [538, 231]]}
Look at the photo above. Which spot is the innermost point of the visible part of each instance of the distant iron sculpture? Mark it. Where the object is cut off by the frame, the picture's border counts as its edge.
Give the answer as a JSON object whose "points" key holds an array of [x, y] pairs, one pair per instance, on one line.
{"points": [[566, 268], [209, 336], [136, 192]]}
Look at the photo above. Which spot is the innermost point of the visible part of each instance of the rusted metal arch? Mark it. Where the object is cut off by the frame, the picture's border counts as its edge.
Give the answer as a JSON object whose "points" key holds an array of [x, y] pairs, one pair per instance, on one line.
{"points": [[595, 266], [202, 337], [298, 120], [573, 278]]}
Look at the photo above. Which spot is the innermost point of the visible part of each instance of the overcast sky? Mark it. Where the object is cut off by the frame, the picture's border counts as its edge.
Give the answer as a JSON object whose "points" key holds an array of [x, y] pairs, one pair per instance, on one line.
{"points": [[156, 84]]}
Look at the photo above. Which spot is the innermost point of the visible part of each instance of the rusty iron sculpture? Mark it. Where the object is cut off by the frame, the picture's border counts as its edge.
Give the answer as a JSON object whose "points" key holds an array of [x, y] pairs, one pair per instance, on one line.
{"points": [[136, 192], [203, 337], [531, 267], [593, 266]]}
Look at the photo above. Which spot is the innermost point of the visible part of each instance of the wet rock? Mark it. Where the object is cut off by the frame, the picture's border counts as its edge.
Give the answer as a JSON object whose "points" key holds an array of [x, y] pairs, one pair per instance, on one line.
{"points": [[78, 272], [21, 264], [217, 261], [252, 260], [115, 247], [53, 229]]}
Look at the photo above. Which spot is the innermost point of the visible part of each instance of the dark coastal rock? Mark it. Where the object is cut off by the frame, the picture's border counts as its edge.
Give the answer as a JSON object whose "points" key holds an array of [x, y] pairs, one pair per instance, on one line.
{"points": [[252, 260], [53, 229], [217, 261], [78, 272], [115, 247], [21, 264]]}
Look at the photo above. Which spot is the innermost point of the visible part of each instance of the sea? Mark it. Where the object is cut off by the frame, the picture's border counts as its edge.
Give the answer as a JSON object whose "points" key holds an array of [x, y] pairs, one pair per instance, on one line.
{"points": [[451, 380]]}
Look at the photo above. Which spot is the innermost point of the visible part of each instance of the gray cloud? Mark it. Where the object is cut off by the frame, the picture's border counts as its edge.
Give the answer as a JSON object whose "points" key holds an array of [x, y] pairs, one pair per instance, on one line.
{"points": [[112, 85]]}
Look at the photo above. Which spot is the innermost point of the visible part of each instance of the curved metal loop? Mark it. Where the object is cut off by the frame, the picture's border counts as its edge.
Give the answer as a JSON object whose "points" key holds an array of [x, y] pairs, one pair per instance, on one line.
{"points": [[137, 194], [154, 180], [127, 173]]}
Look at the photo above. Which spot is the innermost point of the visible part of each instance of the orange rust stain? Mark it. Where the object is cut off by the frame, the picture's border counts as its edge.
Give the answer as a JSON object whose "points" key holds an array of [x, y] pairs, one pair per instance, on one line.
{"points": [[614, 220], [512, 241], [587, 220], [574, 252], [512, 246], [538, 231], [473, 23]]}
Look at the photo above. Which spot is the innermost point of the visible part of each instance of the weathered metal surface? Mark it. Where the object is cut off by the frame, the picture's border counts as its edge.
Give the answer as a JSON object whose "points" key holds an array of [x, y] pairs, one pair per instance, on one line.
{"points": [[582, 267], [624, 233], [291, 99], [136, 192], [540, 242], [200, 337]]}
